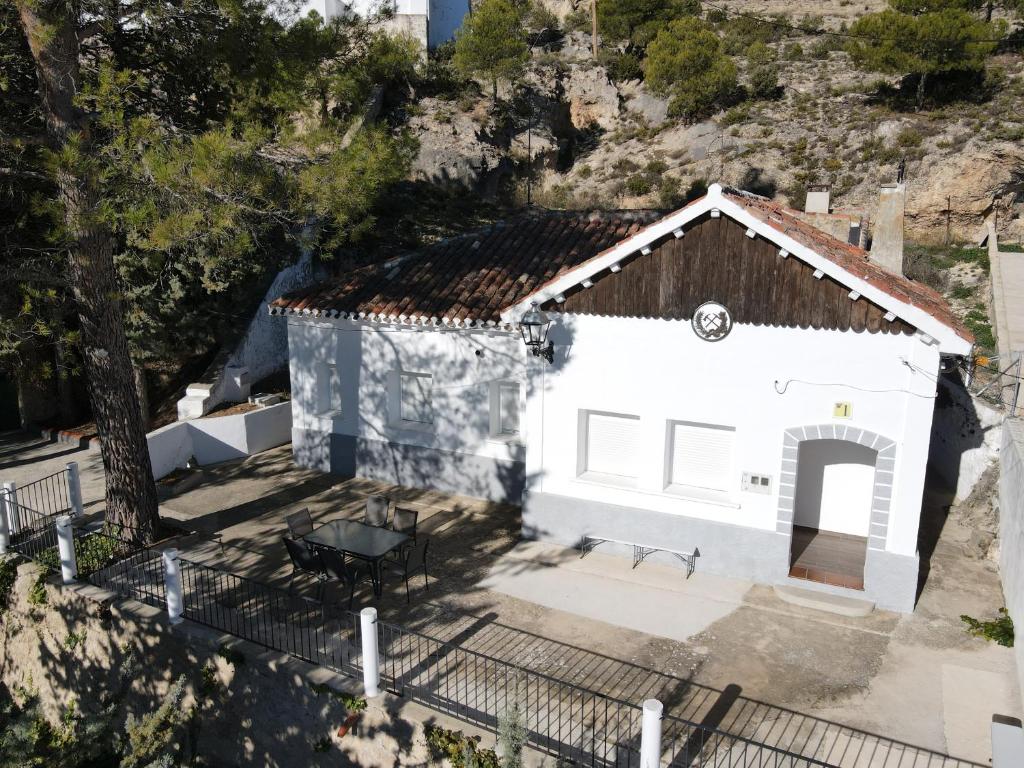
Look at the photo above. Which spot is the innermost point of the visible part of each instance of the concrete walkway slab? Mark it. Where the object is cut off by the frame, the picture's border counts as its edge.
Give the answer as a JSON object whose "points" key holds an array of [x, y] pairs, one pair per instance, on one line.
{"points": [[651, 598]]}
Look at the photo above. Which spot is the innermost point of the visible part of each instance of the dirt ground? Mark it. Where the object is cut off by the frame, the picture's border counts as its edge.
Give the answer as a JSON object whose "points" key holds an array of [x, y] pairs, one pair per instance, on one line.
{"points": [[911, 683]]}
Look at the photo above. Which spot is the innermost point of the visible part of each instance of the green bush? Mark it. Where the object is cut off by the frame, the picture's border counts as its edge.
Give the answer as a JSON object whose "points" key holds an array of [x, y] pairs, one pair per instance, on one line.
{"points": [[621, 66], [459, 748], [670, 192], [759, 53], [764, 82], [909, 137], [577, 21], [998, 630], [793, 52], [638, 184], [961, 291]]}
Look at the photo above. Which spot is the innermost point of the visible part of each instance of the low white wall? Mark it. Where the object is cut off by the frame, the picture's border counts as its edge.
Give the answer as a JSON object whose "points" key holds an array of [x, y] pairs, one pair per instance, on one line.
{"points": [[1011, 529], [219, 438], [169, 448]]}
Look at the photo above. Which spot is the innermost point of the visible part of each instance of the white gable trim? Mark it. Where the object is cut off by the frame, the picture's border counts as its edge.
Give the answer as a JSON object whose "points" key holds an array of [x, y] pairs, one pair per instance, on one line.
{"points": [[949, 340]]}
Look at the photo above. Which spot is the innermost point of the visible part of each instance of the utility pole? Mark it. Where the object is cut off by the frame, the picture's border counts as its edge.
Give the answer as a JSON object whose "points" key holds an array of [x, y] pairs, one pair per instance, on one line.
{"points": [[593, 27]]}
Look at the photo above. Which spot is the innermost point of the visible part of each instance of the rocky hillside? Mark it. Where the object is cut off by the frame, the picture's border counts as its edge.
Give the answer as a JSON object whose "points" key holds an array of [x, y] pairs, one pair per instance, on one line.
{"points": [[595, 142]]}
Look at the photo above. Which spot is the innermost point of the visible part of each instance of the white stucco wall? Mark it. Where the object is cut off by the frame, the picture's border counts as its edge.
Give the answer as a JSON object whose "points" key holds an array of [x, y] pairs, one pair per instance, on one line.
{"points": [[659, 370], [366, 356], [655, 369]]}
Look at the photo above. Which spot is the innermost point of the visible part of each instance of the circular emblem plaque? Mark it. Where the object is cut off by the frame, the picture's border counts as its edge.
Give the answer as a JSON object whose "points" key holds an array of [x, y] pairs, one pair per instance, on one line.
{"points": [[712, 321]]}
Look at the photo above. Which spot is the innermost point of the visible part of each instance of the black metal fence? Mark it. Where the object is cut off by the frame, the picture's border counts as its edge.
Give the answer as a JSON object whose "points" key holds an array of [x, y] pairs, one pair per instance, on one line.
{"points": [[114, 563], [48, 495], [573, 724], [32, 534]]}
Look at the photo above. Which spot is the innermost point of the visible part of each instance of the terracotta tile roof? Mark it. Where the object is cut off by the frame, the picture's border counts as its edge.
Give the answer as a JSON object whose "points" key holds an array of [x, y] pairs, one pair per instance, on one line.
{"points": [[473, 277], [849, 258]]}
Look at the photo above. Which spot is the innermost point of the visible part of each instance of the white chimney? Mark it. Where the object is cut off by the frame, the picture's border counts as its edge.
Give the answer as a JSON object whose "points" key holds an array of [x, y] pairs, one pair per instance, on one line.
{"points": [[887, 237], [817, 198]]}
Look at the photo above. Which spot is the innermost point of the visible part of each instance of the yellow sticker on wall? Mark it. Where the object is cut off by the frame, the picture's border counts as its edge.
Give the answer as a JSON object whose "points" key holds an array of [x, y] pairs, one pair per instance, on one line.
{"points": [[842, 411]]}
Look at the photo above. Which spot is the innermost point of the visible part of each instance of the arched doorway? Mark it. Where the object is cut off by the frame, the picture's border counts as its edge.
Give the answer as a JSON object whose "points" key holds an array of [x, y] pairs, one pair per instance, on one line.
{"points": [[835, 491]]}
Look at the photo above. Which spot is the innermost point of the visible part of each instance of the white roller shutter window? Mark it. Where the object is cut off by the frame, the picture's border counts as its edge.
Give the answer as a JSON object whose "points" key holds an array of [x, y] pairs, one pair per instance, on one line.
{"points": [[613, 444], [702, 455]]}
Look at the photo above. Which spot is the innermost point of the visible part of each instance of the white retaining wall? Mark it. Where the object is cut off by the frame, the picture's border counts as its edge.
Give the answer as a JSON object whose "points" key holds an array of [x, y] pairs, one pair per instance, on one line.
{"points": [[220, 438], [1011, 529]]}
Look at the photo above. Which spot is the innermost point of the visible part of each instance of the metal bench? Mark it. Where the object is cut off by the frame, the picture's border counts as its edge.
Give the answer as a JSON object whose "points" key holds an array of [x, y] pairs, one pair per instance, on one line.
{"points": [[641, 551]]}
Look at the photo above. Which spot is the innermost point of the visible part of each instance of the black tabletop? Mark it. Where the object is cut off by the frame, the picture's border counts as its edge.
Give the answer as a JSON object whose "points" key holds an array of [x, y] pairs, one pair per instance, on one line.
{"points": [[357, 538]]}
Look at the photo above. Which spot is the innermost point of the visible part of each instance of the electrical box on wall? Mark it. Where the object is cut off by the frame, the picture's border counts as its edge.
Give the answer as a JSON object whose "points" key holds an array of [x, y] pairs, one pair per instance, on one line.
{"points": [[755, 483]]}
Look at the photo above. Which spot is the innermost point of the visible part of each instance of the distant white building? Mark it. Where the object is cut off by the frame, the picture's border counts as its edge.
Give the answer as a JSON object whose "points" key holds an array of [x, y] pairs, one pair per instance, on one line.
{"points": [[432, 22], [727, 379]]}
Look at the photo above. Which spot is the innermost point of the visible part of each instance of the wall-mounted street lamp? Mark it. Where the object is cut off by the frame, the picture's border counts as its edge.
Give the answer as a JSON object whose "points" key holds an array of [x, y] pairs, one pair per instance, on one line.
{"points": [[534, 326]]}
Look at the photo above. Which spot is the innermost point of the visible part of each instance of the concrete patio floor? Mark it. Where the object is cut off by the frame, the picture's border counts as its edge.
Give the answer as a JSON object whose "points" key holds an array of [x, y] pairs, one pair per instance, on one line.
{"points": [[719, 651]]}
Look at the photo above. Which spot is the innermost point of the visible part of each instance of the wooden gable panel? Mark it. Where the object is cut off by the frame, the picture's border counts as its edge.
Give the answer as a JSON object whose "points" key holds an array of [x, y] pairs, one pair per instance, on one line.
{"points": [[716, 261]]}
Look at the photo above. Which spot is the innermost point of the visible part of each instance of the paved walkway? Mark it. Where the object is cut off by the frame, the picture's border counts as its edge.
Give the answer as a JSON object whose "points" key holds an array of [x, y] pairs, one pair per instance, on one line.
{"points": [[1007, 299], [736, 656]]}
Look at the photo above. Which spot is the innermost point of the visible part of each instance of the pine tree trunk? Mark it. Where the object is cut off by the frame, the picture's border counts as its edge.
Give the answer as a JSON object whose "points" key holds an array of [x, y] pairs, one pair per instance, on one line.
{"points": [[921, 80], [131, 500]]}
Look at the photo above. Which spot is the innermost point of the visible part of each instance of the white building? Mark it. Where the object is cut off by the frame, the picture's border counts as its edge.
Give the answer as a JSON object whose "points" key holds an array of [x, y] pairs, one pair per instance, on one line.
{"points": [[432, 22], [727, 378]]}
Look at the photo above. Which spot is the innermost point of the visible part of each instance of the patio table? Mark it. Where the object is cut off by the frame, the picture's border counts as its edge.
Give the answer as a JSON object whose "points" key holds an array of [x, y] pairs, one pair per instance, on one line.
{"points": [[367, 542]]}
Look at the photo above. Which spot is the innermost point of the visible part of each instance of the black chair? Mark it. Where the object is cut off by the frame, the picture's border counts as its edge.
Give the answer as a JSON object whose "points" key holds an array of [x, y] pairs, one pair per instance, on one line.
{"points": [[305, 560], [405, 521], [299, 523], [347, 573], [376, 511], [414, 558]]}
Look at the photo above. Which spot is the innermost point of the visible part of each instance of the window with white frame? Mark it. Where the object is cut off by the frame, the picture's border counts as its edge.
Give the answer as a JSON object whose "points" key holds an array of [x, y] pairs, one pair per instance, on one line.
{"points": [[609, 444], [414, 398], [328, 390], [700, 455], [505, 407]]}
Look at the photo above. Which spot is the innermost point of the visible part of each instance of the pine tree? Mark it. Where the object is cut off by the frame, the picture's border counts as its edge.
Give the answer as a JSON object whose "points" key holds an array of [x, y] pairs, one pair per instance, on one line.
{"points": [[492, 43], [175, 152], [686, 62], [923, 38]]}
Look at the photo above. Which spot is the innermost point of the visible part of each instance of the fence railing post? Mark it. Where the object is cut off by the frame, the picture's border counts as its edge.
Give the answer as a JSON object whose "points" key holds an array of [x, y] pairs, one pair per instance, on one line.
{"points": [[650, 734], [172, 580], [5, 524], [11, 502], [74, 489], [371, 661], [66, 549]]}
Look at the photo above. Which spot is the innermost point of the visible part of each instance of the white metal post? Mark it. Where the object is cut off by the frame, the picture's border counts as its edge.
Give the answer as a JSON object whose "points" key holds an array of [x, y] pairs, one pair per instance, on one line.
{"points": [[1007, 742], [172, 581], [74, 489], [11, 497], [5, 526], [650, 734], [66, 549], [371, 662]]}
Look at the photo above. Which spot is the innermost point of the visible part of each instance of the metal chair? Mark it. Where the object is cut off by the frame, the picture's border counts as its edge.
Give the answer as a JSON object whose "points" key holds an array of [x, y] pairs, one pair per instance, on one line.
{"points": [[305, 560], [346, 573], [376, 511], [300, 523], [414, 558], [405, 521]]}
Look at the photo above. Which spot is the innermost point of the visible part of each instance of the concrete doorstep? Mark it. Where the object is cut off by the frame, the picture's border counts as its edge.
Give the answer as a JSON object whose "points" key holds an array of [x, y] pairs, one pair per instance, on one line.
{"points": [[822, 601]]}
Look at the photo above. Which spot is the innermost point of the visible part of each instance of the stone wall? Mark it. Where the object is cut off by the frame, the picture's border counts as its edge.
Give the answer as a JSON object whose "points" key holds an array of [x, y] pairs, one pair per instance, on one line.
{"points": [[1011, 528]]}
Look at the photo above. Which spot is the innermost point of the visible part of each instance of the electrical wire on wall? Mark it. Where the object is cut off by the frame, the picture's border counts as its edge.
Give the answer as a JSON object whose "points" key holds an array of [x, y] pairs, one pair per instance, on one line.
{"points": [[787, 382]]}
